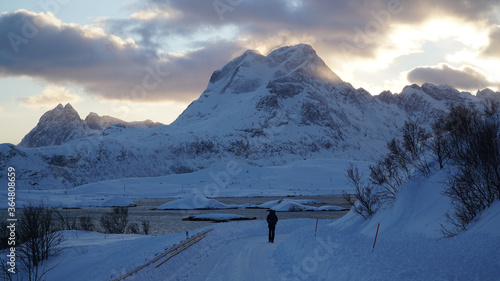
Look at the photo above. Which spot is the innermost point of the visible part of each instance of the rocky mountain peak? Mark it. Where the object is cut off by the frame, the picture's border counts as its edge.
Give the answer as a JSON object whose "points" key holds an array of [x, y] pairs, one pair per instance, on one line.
{"points": [[252, 70], [63, 123], [55, 127]]}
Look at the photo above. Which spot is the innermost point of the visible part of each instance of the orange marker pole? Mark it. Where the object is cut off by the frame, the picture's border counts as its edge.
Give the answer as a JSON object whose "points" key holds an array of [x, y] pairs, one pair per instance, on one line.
{"points": [[375, 238]]}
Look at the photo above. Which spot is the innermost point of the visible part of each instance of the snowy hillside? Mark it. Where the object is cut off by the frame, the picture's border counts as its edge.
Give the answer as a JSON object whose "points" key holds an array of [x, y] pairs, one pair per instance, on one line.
{"points": [[258, 110], [309, 177], [408, 247]]}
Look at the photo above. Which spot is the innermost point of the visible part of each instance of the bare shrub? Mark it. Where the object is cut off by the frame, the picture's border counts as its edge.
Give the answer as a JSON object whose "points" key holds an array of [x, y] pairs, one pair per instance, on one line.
{"points": [[387, 174], [115, 221], [439, 145], [475, 183], [413, 137], [65, 223], [133, 228], [491, 108], [39, 238], [367, 201], [145, 227], [86, 223]]}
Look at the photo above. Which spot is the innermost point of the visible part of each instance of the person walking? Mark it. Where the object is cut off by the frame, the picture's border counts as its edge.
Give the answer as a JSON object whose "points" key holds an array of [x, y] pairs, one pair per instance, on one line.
{"points": [[272, 219]]}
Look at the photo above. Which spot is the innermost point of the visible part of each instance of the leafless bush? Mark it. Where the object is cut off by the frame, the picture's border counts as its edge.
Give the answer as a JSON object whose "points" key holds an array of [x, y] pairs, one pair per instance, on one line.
{"points": [[458, 122], [367, 200], [133, 228], [145, 227], [491, 107], [413, 137], [440, 144], [86, 223], [115, 221], [475, 183], [39, 238], [386, 174], [68, 223]]}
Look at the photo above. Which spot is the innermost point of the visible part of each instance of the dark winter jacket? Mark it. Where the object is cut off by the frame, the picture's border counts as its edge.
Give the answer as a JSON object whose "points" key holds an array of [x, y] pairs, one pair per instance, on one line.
{"points": [[272, 219]]}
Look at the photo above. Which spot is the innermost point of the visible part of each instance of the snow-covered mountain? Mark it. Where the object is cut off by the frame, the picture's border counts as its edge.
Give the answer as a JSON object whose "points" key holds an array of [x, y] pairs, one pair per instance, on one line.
{"points": [[258, 110], [56, 126], [63, 123]]}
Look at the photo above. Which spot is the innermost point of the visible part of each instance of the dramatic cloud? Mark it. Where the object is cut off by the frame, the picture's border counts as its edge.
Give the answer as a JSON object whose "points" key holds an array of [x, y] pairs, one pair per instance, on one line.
{"points": [[41, 46], [354, 28], [211, 33], [493, 49], [465, 78], [50, 96]]}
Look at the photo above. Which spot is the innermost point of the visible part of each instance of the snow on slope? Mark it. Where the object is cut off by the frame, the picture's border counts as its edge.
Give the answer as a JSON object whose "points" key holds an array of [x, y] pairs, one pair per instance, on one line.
{"points": [[409, 244], [194, 202], [408, 247], [259, 110], [62, 124], [309, 177], [288, 205], [55, 127]]}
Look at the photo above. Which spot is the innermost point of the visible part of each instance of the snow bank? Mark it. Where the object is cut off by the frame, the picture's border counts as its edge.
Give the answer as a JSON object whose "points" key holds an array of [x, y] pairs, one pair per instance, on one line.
{"points": [[488, 222], [194, 202], [409, 244], [119, 202], [274, 203], [302, 178], [290, 205]]}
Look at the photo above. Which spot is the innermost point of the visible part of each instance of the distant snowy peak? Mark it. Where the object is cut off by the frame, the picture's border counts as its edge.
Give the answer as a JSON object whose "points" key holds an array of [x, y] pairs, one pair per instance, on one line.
{"points": [[302, 59], [62, 124], [250, 71], [56, 127], [96, 122], [488, 94], [254, 89]]}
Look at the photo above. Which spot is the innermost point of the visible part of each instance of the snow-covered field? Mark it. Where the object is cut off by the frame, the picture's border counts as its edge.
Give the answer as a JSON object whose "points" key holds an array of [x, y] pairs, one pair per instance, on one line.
{"points": [[197, 201], [409, 247], [308, 177]]}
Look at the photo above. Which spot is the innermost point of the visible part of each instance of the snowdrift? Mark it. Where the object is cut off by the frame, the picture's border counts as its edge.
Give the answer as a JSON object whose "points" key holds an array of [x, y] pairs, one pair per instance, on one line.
{"points": [[194, 202], [118, 202], [408, 247], [409, 244], [289, 205]]}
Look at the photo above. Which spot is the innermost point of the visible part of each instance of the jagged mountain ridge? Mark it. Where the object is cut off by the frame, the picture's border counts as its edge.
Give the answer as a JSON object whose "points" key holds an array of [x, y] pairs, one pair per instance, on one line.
{"points": [[63, 123], [262, 110]]}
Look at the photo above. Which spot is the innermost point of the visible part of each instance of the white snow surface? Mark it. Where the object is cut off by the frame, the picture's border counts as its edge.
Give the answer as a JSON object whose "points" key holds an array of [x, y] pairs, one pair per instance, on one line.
{"points": [[290, 205], [118, 202], [193, 202], [308, 177], [408, 247], [257, 110]]}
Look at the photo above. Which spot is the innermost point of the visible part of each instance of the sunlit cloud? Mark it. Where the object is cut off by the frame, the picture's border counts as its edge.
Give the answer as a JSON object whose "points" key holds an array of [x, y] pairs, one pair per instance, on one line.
{"points": [[156, 13], [50, 97], [178, 44], [464, 78]]}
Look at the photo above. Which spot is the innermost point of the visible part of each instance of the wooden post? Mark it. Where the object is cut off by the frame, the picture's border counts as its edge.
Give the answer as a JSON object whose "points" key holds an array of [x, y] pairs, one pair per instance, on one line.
{"points": [[375, 238]]}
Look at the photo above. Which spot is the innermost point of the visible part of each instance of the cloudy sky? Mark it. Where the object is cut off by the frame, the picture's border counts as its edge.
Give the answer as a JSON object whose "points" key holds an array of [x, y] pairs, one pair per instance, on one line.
{"points": [[138, 60]]}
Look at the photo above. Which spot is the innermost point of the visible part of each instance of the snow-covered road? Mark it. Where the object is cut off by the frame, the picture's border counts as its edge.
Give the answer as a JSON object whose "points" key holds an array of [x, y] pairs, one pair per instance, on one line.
{"points": [[234, 251], [247, 259]]}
